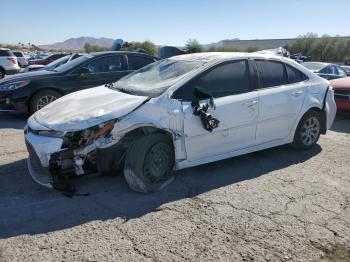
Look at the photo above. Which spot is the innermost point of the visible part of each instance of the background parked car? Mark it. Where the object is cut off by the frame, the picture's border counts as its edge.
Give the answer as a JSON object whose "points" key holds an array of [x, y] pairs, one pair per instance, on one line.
{"points": [[42, 87], [21, 59], [341, 88], [53, 64], [326, 70], [8, 63], [346, 68], [47, 60]]}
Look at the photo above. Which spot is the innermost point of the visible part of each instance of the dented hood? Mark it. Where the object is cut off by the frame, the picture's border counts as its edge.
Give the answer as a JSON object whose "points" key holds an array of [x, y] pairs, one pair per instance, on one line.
{"points": [[87, 108]]}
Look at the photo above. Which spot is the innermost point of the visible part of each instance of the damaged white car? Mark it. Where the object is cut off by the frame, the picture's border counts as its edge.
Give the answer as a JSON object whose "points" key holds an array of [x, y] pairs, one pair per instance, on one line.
{"points": [[176, 113]]}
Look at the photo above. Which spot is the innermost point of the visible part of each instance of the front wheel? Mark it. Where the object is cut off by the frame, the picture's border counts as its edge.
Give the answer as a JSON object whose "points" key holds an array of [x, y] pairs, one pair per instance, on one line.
{"points": [[149, 163], [308, 131], [43, 98]]}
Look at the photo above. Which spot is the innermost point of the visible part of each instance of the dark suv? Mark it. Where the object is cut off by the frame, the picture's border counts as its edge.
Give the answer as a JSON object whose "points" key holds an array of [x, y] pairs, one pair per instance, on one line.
{"points": [[29, 92]]}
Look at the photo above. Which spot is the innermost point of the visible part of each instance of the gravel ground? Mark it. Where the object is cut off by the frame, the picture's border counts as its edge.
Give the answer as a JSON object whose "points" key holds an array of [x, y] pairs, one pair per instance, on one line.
{"points": [[274, 205]]}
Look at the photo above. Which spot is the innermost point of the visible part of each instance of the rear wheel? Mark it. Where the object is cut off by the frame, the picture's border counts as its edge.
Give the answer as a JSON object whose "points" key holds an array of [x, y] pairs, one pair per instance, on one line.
{"points": [[308, 131], [42, 99], [149, 163]]}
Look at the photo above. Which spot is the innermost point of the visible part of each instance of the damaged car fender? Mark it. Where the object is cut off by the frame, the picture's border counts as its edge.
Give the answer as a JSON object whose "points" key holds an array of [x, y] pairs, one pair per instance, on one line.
{"points": [[156, 115]]}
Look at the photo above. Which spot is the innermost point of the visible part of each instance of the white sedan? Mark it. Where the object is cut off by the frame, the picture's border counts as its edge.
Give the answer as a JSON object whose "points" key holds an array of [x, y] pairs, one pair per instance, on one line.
{"points": [[176, 113]]}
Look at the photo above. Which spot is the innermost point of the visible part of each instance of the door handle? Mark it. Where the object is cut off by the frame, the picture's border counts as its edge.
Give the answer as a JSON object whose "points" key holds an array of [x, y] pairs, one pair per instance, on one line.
{"points": [[297, 93], [251, 103]]}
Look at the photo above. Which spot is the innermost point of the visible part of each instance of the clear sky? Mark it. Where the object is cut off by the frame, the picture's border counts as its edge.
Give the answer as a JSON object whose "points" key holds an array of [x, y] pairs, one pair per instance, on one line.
{"points": [[169, 21]]}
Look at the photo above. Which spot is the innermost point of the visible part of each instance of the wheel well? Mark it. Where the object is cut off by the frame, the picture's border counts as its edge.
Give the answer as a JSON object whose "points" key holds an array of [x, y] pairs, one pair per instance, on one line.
{"points": [[137, 132], [323, 118], [43, 89], [3, 69]]}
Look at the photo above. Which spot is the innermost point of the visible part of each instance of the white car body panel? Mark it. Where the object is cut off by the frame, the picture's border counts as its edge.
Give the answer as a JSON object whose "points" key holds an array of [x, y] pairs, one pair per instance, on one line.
{"points": [[90, 107], [248, 122], [278, 109], [238, 116]]}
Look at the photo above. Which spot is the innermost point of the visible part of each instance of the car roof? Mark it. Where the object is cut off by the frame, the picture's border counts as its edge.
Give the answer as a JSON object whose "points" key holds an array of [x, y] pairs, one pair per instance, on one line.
{"points": [[218, 56], [320, 63], [120, 52]]}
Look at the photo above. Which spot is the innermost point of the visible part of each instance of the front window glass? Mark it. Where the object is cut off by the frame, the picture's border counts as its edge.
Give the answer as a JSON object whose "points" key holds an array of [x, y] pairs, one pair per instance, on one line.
{"points": [[73, 63], [106, 64], [156, 78]]}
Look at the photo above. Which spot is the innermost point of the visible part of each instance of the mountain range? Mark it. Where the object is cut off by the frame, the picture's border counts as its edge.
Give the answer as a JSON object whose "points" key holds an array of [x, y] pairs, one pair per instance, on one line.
{"points": [[77, 44]]}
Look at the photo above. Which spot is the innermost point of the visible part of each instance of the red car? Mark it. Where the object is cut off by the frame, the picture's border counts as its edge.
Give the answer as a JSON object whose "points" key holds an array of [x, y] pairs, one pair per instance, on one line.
{"points": [[46, 60], [341, 88]]}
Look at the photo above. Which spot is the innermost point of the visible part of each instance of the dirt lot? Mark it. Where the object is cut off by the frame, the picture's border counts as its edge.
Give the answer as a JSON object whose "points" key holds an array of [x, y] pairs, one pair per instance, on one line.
{"points": [[276, 205]]}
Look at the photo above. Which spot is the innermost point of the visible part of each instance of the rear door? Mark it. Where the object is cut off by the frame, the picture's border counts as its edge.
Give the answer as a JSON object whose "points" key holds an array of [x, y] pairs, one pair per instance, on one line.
{"points": [[281, 95], [236, 107], [136, 62]]}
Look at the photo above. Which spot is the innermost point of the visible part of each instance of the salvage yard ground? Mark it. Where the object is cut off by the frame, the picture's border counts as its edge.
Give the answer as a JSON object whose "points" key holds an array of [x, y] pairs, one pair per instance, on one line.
{"points": [[277, 205]]}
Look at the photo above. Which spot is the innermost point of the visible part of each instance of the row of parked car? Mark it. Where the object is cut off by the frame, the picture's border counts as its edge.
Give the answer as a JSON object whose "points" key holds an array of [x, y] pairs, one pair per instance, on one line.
{"points": [[29, 92], [56, 80]]}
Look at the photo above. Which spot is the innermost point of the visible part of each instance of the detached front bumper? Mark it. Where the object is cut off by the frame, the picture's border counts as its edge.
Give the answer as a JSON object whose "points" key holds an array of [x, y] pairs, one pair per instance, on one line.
{"points": [[40, 149], [50, 160]]}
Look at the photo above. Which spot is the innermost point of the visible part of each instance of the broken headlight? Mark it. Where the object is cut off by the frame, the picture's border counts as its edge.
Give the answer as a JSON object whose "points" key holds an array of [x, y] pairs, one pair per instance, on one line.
{"points": [[86, 136]]}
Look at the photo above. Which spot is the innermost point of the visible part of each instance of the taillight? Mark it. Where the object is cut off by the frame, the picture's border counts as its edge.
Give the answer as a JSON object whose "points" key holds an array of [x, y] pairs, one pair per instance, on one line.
{"points": [[12, 59]]}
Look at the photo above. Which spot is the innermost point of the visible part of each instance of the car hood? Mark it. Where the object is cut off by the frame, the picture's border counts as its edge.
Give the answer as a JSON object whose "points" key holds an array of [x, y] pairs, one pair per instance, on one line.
{"points": [[28, 76], [87, 108]]}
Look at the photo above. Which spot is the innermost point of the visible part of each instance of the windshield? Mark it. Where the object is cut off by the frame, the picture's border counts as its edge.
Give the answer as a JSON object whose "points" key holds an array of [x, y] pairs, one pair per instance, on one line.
{"points": [[57, 62], [156, 78], [313, 65], [73, 63], [18, 54]]}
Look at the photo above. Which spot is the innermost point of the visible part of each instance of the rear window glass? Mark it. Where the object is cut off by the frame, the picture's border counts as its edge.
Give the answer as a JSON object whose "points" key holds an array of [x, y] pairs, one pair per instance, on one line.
{"points": [[5, 53], [294, 75], [271, 73], [137, 62]]}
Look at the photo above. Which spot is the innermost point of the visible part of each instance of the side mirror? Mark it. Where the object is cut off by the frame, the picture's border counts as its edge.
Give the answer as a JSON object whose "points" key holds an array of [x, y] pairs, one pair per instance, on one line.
{"points": [[204, 95]]}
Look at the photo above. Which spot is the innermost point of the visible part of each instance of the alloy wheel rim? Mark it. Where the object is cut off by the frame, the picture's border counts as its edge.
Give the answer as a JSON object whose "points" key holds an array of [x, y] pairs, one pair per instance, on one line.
{"points": [[310, 131], [157, 162], [44, 101]]}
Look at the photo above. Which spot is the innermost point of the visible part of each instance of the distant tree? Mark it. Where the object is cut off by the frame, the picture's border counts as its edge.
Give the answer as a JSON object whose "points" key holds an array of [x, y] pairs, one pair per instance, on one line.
{"points": [[193, 46], [222, 49], [252, 48], [147, 45], [325, 48], [94, 48]]}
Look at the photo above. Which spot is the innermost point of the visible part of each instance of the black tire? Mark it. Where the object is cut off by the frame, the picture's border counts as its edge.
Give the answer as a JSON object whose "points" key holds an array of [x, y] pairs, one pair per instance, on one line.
{"points": [[308, 131], [149, 163], [38, 100], [2, 73]]}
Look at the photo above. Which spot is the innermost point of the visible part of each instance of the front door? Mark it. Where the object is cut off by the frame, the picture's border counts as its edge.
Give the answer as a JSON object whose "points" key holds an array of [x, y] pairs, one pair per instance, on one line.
{"points": [[100, 71], [236, 107]]}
